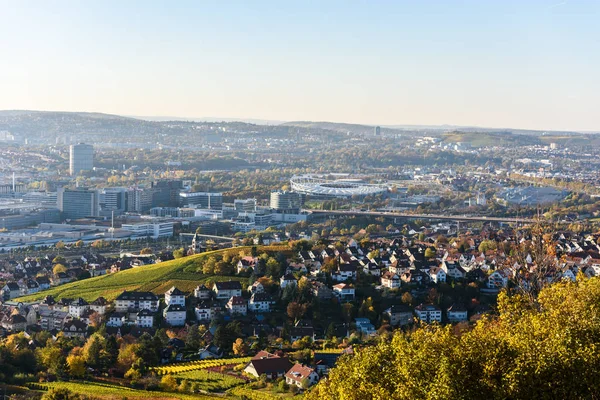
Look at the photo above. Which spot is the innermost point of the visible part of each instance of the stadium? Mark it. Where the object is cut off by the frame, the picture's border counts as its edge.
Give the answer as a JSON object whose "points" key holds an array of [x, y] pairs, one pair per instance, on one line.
{"points": [[334, 186]]}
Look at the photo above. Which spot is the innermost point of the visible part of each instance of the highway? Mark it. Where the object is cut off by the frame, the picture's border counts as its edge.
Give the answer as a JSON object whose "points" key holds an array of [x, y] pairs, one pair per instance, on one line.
{"points": [[424, 216]]}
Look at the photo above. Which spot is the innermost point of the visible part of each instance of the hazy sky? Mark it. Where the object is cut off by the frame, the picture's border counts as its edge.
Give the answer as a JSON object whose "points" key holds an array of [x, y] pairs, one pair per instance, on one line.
{"points": [[522, 63]]}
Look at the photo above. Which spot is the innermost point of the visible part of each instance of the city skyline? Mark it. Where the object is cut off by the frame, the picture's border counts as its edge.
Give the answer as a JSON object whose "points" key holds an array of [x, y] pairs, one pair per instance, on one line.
{"points": [[508, 64]]}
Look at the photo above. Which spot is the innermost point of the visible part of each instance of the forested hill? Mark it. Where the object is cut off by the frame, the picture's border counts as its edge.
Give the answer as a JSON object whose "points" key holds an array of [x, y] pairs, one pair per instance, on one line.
{"points": [[547, 350]]}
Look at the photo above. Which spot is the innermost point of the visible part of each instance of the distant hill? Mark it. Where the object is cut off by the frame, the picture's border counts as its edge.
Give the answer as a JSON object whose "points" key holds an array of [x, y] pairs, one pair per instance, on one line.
{"points": [[484, 139]]}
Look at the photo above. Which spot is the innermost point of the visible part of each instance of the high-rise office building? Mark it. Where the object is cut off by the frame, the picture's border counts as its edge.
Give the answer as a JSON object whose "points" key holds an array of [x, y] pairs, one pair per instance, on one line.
{"points": [[113, 200], [246, 205], [78, 203], [286, 202], [81, 158], [377, 131], [139, 199], [211, 201]]}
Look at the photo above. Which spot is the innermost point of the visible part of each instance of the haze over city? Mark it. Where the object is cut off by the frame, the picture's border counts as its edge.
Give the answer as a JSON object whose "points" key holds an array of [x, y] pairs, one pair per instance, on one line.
{"points": [[516, 64]]}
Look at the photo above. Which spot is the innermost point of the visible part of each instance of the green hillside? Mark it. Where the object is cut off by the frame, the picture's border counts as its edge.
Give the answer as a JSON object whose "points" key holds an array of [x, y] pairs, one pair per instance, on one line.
{"points": [[157, 278]]}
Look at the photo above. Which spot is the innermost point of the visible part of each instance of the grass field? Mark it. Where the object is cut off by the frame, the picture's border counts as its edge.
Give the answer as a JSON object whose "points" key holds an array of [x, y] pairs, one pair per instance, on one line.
{"points": [[157, 278], [253, 394], [110, 392]]}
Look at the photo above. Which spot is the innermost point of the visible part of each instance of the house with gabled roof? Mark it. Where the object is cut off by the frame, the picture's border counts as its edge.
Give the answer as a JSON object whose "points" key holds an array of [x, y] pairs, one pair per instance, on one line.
{"points": [[301, 376]]}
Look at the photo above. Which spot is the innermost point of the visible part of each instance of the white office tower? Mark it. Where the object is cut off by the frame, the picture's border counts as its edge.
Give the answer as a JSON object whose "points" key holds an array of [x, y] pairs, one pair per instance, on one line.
{"points": [[81, 158]]}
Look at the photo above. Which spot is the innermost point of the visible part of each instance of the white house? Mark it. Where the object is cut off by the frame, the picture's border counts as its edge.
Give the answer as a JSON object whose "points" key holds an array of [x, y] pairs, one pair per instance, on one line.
{"points": [[136, 301], [144, 319], [497, 279], [260, 302], [175, 315], [437, 275], [174, 296], [203, 312], [202, 293], [344, 291], [237, 305], [99, 305], [301, 376], [228, 289], [428, 313], [78, 307], [287, 280], [390, 280], [456, 313], [116, 319]]}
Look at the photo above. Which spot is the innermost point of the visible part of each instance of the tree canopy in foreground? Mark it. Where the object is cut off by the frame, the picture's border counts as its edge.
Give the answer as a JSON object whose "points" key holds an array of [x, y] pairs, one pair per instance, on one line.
{"points": [[550, 350]]}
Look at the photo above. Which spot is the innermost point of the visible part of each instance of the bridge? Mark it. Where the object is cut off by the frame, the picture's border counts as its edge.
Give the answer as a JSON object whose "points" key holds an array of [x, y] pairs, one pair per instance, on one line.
{"points": [[391, 214], [212, 237]]}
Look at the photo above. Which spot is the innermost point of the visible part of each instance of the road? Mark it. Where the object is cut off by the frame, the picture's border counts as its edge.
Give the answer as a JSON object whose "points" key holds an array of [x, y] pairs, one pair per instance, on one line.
{"points": [[425, 216]]}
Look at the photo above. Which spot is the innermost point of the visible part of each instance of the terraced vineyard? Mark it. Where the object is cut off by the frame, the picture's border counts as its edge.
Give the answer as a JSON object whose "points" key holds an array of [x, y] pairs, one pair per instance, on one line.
{"points": [[157, 278]]}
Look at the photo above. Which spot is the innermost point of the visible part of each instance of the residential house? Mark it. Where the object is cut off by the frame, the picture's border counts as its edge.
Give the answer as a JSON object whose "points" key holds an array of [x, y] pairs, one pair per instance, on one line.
{"points": [[14, 323], [456, 313], [245, 263], [260, 302], [116, 319], [144, 319], [202, 293], [256, 287], [43, 282], [390, 280], [203, 311], [400, 315], [344, 291], [175, 296], [11, 290], [99, 305], [498, 279], [52, 319], [437, 275], [175, 315], [78, 307], [270, 365], [227, 290], [364, 326], [237, 305], [301, 376], [321, 291], [75, 328], [428, 313], [287, 280], [136, 301], [210, 351]]}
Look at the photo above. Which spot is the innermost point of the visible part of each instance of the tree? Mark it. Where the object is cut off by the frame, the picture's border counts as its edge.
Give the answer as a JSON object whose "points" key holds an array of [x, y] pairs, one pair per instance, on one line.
{"points": [[178, 253], [192, 340], [430, 253], [146, 251], [331, 331], [296, 310], [79, 243], [58, 268], [407, 298], [91, 351], [521, 354], [76, 365], [240, 348], [60, 245], [98, 244]]}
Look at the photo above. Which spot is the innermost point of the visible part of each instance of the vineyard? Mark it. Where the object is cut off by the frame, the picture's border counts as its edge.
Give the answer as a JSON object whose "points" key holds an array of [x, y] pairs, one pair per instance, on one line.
{"points": [[198, 365], [108, 391], [252, 394]]}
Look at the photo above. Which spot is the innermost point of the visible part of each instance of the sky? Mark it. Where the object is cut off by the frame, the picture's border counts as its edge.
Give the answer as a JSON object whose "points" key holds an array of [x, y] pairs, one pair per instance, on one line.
{"points": [[528, 64]]}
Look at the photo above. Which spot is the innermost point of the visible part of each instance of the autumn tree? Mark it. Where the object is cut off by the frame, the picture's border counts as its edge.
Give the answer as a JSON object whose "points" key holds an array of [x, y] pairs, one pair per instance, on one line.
{"points": [[240, 348], [296, 310]]}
